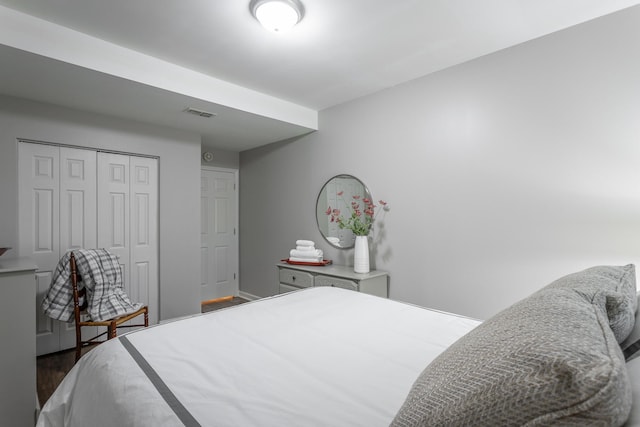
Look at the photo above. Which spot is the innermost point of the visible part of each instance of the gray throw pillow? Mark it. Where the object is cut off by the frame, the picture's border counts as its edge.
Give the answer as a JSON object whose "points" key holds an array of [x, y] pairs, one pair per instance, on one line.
{"points": [[619, 283], [549, 359]]}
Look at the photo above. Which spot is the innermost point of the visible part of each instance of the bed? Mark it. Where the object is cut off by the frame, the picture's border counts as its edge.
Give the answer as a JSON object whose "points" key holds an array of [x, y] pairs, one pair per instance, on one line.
{"points": [[329, 356]]}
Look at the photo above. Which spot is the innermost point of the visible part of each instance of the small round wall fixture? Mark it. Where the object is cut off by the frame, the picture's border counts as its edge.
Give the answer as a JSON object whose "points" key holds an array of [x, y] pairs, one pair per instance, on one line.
{"points": [[277, 15], [207, 156]]}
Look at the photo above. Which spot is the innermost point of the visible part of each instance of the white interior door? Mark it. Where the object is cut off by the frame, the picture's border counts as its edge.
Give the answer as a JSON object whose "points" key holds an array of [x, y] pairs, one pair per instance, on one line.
{"points": [[219, 237]]}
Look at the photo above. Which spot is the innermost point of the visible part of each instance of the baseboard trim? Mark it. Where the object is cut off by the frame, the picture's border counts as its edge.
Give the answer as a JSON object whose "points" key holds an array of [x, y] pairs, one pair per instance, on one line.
{"points": [[249, 296]]}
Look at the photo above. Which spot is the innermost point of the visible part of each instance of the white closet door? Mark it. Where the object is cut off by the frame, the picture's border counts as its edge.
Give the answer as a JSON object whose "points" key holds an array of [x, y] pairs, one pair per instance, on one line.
{"points": [[75, 198], [77, 214], [128, 222], [144, 234], [39, 189], [113, 208], [57, 213]]}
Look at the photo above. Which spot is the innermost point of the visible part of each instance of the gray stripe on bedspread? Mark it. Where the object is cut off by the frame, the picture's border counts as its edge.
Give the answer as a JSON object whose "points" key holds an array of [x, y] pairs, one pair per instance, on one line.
{"points": [[173, 402]]}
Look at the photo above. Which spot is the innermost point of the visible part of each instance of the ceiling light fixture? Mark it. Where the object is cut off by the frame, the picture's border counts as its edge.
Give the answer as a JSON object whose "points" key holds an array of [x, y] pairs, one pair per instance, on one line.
{"points": [[277, 15]]}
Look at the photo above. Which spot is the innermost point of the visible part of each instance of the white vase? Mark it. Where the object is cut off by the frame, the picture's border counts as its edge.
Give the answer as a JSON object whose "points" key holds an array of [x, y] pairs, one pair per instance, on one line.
{"points": [[361, 255]]}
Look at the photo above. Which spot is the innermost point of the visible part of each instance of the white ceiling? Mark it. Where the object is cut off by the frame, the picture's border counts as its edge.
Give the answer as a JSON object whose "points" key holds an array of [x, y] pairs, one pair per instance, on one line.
{"points": [[148, 60]]}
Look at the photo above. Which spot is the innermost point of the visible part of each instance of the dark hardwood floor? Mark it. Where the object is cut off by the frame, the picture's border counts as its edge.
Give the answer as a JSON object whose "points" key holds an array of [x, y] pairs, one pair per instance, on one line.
{"points": [[52, 368]]}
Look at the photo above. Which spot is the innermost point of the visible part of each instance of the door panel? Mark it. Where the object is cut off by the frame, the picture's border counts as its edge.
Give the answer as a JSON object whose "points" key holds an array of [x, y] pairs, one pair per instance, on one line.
{"points": [[140, 277], [77, 216], [44, 205], [77, 199], [47, 336], [144, 234], [219, 240], [39, 239], [113, 208]]}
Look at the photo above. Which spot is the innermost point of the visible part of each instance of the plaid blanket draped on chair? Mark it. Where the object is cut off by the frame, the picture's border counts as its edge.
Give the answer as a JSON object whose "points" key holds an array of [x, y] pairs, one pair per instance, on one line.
{"points": [[101, 277]]}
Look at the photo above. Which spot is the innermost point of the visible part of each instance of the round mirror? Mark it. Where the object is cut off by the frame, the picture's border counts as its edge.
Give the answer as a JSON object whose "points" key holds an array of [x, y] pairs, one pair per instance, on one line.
{"points": [[337, 193]]}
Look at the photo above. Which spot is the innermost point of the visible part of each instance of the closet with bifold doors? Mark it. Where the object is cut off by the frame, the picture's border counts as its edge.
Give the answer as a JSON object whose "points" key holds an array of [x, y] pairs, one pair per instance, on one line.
{"points": [[75, 197]]}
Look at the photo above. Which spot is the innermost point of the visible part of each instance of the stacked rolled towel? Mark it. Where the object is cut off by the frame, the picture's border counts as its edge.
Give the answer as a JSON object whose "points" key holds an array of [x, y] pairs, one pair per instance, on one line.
{"points": [[305, 251]]}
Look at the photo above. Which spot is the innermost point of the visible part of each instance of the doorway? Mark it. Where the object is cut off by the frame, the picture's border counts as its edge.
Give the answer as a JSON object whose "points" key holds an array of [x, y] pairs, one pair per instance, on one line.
{"points": [[219, 233]]}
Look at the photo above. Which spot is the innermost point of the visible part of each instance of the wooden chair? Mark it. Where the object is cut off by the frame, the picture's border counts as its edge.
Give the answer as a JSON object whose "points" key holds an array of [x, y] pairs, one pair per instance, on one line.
{"points": [[112, 325]]}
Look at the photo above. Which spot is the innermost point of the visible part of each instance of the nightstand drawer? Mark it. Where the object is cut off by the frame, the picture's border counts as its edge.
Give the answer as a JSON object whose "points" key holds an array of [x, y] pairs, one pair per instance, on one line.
{"points": [[297, 278], [336, 282]]}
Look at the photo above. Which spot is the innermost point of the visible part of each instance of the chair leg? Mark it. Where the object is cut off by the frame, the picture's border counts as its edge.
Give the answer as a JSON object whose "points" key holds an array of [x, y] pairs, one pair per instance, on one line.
{"points": [[111, 330], [78, 342], [78, 350], [146, 318]]}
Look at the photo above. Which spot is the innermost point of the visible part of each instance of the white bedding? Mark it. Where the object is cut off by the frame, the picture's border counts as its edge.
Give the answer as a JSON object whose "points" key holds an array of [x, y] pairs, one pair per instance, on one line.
{"points": [[321, 356]]}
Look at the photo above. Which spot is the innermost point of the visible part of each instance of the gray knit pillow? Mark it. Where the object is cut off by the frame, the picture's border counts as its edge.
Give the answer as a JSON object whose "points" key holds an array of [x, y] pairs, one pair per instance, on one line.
{"points": [[620, 283], [549, 359]]}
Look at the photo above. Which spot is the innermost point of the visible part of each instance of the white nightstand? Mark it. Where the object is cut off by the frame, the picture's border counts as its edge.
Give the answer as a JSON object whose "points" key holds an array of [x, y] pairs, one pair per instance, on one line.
{"points": [[294, 277]]}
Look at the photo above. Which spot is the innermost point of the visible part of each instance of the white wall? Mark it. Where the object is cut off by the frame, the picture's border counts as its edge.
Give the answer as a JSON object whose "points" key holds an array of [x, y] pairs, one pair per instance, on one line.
{"points": [[221, 158], [502, 173], [179, 166]]}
